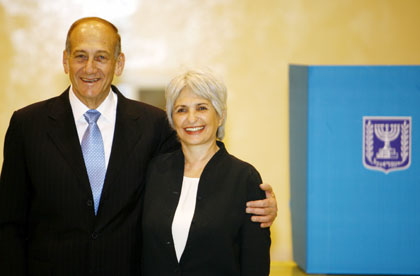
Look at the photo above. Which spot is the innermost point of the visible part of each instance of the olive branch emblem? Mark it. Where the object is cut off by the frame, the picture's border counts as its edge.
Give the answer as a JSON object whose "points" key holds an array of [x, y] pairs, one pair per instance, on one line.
{"points": [[405, 127], [369, 141]]}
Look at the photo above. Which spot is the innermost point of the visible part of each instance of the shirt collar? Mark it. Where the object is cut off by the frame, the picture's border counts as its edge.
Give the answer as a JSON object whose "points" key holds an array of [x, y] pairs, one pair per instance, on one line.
{"points": [[108, 108]]}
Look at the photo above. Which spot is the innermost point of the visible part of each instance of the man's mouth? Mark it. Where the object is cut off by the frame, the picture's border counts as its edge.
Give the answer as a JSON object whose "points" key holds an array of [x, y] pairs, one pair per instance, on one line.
{"points": [[90, 80]]}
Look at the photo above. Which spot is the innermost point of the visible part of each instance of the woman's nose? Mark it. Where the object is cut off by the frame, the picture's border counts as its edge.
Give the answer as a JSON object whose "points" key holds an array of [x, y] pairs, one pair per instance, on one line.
{"points": [[191, 116]]}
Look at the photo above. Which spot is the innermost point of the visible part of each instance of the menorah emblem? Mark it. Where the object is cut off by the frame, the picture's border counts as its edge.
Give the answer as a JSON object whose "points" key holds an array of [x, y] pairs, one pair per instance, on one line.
{"points": [[386, 143], [387, 133]]}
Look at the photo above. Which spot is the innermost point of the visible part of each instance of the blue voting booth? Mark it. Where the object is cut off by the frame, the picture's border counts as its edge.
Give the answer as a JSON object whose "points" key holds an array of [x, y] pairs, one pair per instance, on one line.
{"points": [[355, 169]]}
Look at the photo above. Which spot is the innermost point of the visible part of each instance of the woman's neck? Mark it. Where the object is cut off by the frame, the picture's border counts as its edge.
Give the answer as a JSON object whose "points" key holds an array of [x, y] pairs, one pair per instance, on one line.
{"points": [[197, 157]]}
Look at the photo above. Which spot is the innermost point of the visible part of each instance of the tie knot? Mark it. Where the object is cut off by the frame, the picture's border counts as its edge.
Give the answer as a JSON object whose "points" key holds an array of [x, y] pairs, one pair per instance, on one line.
{"points": [[92, 115]]}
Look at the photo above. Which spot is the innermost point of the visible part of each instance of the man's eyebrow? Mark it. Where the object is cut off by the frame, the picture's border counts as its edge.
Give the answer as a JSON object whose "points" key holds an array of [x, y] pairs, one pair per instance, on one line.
{"points": [[84, 51], [102, 52], [79, 51]]}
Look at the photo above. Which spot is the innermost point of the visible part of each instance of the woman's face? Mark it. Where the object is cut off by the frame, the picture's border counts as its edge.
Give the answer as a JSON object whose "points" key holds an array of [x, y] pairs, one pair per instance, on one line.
{"points": [[195, 119]]}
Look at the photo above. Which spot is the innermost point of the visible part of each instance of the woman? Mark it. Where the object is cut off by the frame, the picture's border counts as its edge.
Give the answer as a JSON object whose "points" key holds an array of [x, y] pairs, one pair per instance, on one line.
{"points": [[194, 220]]}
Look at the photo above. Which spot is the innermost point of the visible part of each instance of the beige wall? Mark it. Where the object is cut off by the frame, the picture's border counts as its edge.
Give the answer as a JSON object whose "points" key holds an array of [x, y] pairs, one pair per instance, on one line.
{"points": [[250, 43]]}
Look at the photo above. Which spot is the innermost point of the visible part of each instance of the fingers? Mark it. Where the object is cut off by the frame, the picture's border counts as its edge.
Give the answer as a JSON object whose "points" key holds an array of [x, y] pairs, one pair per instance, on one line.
{"points": [[263, 203], [264, 211], [266, 224], [266, 187], [269, 193], [260, 211], [266, 218], [266, 221], [263, 215]]}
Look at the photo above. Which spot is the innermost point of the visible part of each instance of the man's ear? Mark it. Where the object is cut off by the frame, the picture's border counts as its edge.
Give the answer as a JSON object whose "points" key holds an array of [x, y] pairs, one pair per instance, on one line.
{"points": [[65, 62], [119, 66]]}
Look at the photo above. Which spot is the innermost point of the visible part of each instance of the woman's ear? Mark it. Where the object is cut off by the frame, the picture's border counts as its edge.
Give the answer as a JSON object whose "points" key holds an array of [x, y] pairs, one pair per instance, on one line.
{"points": [[222, 119]]}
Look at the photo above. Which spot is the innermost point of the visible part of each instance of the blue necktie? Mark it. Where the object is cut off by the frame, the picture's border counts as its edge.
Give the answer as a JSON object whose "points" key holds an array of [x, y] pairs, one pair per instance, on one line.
{"points": [[94, 155]]}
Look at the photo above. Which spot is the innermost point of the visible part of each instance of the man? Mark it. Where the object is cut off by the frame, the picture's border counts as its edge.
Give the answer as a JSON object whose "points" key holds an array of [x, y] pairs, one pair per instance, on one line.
{"points": [[72, 177]]}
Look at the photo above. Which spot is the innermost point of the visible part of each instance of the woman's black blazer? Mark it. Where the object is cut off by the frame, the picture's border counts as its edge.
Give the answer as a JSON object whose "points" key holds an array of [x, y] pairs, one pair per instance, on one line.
{"points": [[222, 239]]}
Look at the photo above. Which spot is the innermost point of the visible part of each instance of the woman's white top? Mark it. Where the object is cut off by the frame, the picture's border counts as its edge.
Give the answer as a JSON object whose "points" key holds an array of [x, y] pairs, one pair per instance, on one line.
{"points": [[184, 214]]}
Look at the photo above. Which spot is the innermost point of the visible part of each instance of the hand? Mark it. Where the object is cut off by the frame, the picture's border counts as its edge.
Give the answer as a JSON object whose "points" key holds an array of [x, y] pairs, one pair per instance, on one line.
{"points": [[265, 210]]}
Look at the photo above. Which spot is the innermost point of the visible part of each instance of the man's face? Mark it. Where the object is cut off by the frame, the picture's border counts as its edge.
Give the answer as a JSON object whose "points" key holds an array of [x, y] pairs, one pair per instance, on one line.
{"points": [[91, 64]]}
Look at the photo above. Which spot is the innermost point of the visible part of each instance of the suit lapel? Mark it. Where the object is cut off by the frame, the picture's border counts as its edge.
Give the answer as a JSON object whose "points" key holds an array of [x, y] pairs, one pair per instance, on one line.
{"points": [[63, 133], [127, 134]]}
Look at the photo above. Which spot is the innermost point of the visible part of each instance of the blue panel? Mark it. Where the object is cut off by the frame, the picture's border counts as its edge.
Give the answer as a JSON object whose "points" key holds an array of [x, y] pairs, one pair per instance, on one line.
{"points": [[360, 220]]}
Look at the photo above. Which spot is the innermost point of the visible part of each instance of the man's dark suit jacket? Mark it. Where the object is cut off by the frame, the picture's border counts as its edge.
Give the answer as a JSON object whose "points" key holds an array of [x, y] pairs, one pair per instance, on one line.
{"points": [[222, 239], [47, 221]]}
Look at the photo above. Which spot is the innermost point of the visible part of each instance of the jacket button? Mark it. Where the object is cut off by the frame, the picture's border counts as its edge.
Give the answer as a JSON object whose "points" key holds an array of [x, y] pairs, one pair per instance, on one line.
{"points": [[89, 202], [94, 235], [168, 243]]}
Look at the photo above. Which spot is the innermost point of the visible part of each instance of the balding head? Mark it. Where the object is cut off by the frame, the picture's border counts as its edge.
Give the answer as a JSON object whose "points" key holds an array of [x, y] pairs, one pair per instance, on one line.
{"points": [[94, 20]]}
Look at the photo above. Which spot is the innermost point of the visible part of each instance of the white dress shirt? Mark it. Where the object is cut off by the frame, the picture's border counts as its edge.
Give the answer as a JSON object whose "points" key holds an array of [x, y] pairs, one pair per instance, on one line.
{"points": [[184, 214], [106, 121]]}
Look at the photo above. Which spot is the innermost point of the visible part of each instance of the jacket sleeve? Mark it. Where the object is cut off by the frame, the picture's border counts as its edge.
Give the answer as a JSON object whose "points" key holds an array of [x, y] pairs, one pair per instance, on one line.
{"points": [[168, 138], [13, 203], [255, 241]]}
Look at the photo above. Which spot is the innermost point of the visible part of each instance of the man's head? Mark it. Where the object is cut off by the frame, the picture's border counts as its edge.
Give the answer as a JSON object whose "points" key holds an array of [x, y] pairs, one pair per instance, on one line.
{"points": [[91, 58]]}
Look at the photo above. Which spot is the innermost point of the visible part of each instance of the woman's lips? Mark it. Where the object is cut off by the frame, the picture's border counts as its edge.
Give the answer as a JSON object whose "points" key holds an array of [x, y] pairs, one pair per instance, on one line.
{"points": [[194, 130]]}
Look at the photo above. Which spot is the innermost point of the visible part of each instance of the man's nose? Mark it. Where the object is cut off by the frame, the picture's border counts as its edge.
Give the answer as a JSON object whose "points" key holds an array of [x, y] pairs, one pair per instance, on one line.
{"points": [[90, 66]]}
